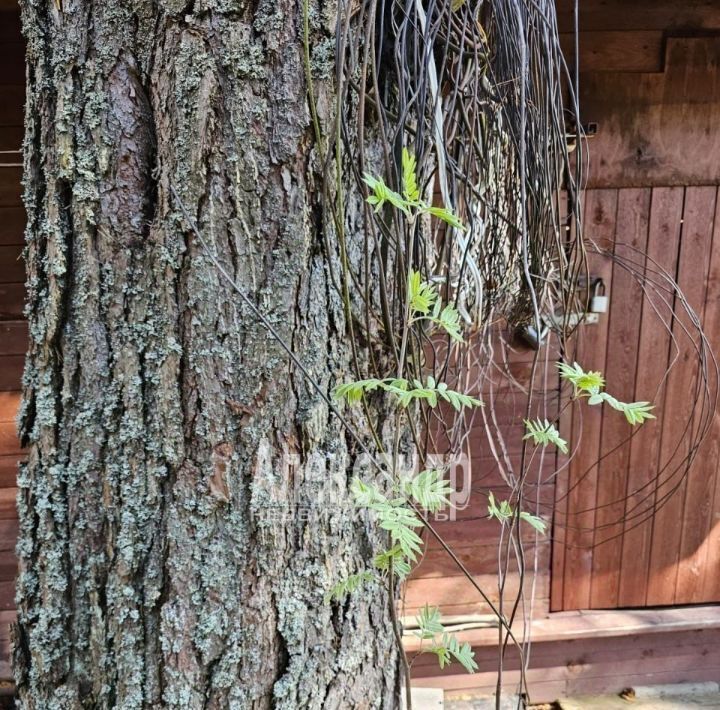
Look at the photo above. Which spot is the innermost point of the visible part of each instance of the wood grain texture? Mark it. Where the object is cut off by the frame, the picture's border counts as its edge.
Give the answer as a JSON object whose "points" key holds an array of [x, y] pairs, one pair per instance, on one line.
{"points": [[633, 216], [711, 543], [12, 222], [620, 15], [601, 215], [697, 513], [657, 129], [623, 51], [668, 558], [680, 397], [574, 663], [652, 356], [12, 301], [11, 370], [12, 266]]}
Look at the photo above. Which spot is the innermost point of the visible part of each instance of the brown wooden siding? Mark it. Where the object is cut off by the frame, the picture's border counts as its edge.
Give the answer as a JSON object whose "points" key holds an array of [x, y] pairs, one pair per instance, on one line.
{"points": [[472, 535], [576, 654], [615, 552], [13, 327]]}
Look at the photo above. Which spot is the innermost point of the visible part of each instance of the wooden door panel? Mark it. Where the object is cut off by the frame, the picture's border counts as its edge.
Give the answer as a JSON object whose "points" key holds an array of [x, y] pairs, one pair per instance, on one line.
{"points": [[634, 525], [653, 347]]}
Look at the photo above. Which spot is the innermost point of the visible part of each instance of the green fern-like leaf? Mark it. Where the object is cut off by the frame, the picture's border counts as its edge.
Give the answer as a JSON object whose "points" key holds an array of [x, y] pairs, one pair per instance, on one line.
{"points": [[393, 558], [635, 412], [638, 412], [444, 645], [442, 653], [349, 585], [381, 194], [352, 392], [428, 489], [461, 652], [538, 523], [400, 522], [587, 382], [500, 511], [447, 216], [503, 512], [409, 168], [421, 295], [449, 320], [367, 495], [429, 624], [543, 433]]}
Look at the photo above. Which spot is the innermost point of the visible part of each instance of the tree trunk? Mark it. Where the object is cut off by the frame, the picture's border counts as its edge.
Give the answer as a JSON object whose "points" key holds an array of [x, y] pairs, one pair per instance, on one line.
{"points": [[172, 553]]}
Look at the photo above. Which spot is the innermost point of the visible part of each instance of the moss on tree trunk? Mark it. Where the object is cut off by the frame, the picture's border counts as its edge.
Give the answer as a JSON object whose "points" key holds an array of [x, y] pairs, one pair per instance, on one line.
{"points": [[158, 564]]}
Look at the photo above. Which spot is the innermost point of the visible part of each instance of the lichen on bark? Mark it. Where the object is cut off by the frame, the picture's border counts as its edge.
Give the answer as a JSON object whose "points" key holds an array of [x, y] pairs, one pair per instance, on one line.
{"points": [[157, 410]]}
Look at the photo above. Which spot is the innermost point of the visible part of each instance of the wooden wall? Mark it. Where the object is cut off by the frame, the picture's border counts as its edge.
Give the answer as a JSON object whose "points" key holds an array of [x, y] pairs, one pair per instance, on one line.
{"points": [[611, 548], [13, 328], [654, 170], [649, 79], [472, 535], [589, 654], [629, 35]]}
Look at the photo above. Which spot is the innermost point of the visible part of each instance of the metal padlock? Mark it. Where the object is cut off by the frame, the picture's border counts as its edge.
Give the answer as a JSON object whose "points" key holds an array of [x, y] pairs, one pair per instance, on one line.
{"points": [[599, 301]]}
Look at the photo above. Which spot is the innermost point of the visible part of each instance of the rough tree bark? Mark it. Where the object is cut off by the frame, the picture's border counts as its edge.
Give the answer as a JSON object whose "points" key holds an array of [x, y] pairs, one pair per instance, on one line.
{"points": [[156, 409]]}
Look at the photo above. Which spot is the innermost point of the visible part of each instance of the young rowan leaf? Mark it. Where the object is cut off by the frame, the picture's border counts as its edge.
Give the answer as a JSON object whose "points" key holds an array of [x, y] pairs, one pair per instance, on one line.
{"points": [[446, 216], [349, 585], [381, 194], [544, 433], [409, 169], [587, 382], [421, 295]]}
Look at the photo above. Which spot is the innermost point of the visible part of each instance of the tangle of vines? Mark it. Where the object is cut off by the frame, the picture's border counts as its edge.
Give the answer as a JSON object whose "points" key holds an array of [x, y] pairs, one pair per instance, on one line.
{"points": [[479, 93]]}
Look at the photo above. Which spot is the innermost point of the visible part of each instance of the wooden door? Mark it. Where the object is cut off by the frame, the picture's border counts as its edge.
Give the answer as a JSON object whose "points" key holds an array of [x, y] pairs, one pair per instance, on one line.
{"points": [[635, 526]]}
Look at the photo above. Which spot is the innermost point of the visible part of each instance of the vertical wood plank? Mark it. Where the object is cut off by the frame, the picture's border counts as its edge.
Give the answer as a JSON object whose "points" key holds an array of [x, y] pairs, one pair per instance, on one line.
{"points": [[700, 486], [711, 579], [663, 237], [679, 402], [561, 481], [600, 220], [620, 369]]}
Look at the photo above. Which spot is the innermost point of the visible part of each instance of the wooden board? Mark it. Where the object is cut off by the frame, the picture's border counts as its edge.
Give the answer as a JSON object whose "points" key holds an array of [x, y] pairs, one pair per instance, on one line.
{"points": [[631, 231], [10, 185], [12, 301], [575, 661], [11, 372], [12, 223], [668, 521], [652, 353], [11, 107], [638, 51], [657, 129], [652, 520], [579, 498], [622, 15]]}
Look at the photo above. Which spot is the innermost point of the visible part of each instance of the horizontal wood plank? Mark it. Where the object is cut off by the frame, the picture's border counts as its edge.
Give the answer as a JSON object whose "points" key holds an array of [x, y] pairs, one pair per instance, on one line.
{"points": [[665, 15], [12, 222], [12, 266], [11, 369], [619, 51], [13, 337], [657, 129], [9, 443], [8, 470], [10, 183], [12, 302]]}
